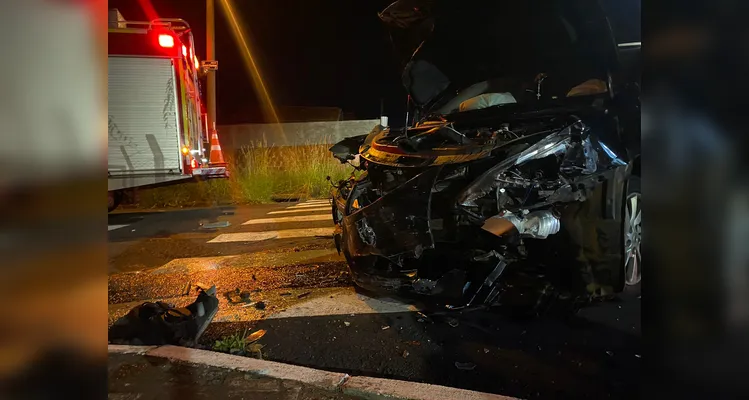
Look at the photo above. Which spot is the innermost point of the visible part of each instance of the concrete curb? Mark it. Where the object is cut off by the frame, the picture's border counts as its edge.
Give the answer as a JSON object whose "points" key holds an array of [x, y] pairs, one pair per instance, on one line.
{"points": [[370, 388]]}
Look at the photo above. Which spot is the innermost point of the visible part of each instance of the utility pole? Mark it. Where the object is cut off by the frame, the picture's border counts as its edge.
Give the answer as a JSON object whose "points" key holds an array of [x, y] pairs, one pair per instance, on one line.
{"points": [[210, 46]]}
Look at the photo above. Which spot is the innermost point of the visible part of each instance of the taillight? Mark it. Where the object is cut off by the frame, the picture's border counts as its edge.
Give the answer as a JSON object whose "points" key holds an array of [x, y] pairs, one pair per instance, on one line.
{"points": [[166, 41], [194, 164], [184, 51]]}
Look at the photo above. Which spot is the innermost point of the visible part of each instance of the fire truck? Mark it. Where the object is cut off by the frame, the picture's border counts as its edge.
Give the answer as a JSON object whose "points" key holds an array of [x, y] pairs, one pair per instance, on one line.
{"points": [[157, 127]]}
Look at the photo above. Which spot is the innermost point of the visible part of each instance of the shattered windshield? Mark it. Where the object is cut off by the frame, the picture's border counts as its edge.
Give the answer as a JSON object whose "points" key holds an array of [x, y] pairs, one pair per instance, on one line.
{"points": [[477, 55]]}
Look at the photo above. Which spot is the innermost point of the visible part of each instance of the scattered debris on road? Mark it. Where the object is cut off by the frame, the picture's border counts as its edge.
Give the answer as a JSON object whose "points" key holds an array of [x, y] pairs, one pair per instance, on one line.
{"points": [[466, 366], [255, 336], [255, 350], [486, 351], [285, 294], [237, 296], [405, 353], [347, 323], [386, 327], [186, 289], [161, 323], [260, 305], [303, 295], [452, 322], [414, 342], [216, 225]]}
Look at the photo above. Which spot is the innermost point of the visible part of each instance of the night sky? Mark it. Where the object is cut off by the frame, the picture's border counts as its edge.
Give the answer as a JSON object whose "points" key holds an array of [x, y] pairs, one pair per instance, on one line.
{"points": [[327, 53]]}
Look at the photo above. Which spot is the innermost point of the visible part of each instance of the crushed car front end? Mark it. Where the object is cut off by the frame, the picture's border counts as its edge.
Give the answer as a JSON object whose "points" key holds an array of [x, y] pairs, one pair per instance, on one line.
{"points": [[501, 189], [540, 198]]}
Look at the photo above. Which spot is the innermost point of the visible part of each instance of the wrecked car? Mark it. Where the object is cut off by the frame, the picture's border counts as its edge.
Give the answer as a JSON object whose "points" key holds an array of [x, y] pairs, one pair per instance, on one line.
{"points": [[517, 170]]}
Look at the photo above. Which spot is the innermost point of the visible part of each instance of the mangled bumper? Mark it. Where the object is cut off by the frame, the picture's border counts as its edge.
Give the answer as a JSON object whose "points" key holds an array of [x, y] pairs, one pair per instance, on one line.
{"points": [[396, 225]]}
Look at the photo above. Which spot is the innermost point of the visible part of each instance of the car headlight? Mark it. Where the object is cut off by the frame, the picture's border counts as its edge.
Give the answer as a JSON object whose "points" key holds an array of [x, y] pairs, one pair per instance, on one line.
{"points": [[553, 144], [556, 143]]}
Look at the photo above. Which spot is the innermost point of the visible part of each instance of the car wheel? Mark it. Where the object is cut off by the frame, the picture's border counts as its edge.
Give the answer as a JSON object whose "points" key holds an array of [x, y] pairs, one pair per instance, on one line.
{"points": [[633, 233]]}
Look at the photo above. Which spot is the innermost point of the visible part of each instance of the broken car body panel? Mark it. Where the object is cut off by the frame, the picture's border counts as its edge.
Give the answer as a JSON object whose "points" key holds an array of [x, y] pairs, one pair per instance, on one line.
{"points": [[395, 224]]}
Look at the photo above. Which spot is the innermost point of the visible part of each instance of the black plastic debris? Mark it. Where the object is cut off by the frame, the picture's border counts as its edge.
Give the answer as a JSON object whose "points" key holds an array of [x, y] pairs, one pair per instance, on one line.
{"points": [[303, 295], [159, 323], [423, 317], [260, 305], [237, 296], [465, 366]]}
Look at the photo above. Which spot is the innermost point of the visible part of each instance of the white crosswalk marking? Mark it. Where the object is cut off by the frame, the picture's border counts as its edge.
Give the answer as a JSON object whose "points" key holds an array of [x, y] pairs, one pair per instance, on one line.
{"points": [[296, 218], [283, 234], [302, 206], [113, 227], [310, 211], [299, 210]]}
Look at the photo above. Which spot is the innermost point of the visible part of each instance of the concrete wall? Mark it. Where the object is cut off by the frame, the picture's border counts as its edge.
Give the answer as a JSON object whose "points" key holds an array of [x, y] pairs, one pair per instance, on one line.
{"points": [[234, 137]]}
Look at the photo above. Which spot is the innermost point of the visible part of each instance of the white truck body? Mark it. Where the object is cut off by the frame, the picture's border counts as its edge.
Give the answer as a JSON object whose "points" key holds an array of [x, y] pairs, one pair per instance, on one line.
{"points": [[143, 122]]}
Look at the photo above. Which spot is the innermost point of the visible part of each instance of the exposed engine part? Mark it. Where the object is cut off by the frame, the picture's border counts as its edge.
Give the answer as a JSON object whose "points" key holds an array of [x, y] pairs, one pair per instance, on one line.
{"points": [[515, 181], [580, 158], [539, 81], [486, 256], [498, 225], [424, 286], [488, 285], [537, 224], [366, 233], [416, 142]]}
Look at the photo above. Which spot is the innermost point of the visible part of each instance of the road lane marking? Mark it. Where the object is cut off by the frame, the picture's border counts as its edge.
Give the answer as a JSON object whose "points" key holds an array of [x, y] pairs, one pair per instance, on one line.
{"points": [[302, 205], [113, 227], [345, 302], [297, 218], [260, 236], [247, 260], [299, 210]]}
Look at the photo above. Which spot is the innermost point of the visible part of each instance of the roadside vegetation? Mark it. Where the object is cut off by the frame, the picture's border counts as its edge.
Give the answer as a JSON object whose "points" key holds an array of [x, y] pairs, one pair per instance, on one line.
{"points": [[258, 174], [241, 344]]}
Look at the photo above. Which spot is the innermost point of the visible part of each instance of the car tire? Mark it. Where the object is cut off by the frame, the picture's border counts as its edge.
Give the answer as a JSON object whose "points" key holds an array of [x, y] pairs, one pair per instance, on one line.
{"points": [[632, 235]]}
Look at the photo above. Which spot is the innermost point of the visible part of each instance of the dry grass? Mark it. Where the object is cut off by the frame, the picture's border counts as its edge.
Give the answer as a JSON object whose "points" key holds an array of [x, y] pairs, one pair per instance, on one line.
{"points": [[258, 175]]}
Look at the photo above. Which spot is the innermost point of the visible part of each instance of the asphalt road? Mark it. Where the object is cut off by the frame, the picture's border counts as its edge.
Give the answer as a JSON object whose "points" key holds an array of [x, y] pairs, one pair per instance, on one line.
{"points": [[282, 255]]}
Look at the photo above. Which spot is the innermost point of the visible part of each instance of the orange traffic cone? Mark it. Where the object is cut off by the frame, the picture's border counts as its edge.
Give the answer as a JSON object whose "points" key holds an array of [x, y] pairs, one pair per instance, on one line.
{"points": [[217, 156]]}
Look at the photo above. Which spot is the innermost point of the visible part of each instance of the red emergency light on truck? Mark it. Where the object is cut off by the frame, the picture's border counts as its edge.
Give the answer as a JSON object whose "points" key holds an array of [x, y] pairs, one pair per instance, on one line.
{"points": [[158, 131]]}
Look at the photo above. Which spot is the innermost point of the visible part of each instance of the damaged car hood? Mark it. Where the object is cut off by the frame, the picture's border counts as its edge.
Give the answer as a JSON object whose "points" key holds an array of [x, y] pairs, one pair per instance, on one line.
{"points": [[463, 137], [446, 46]]}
